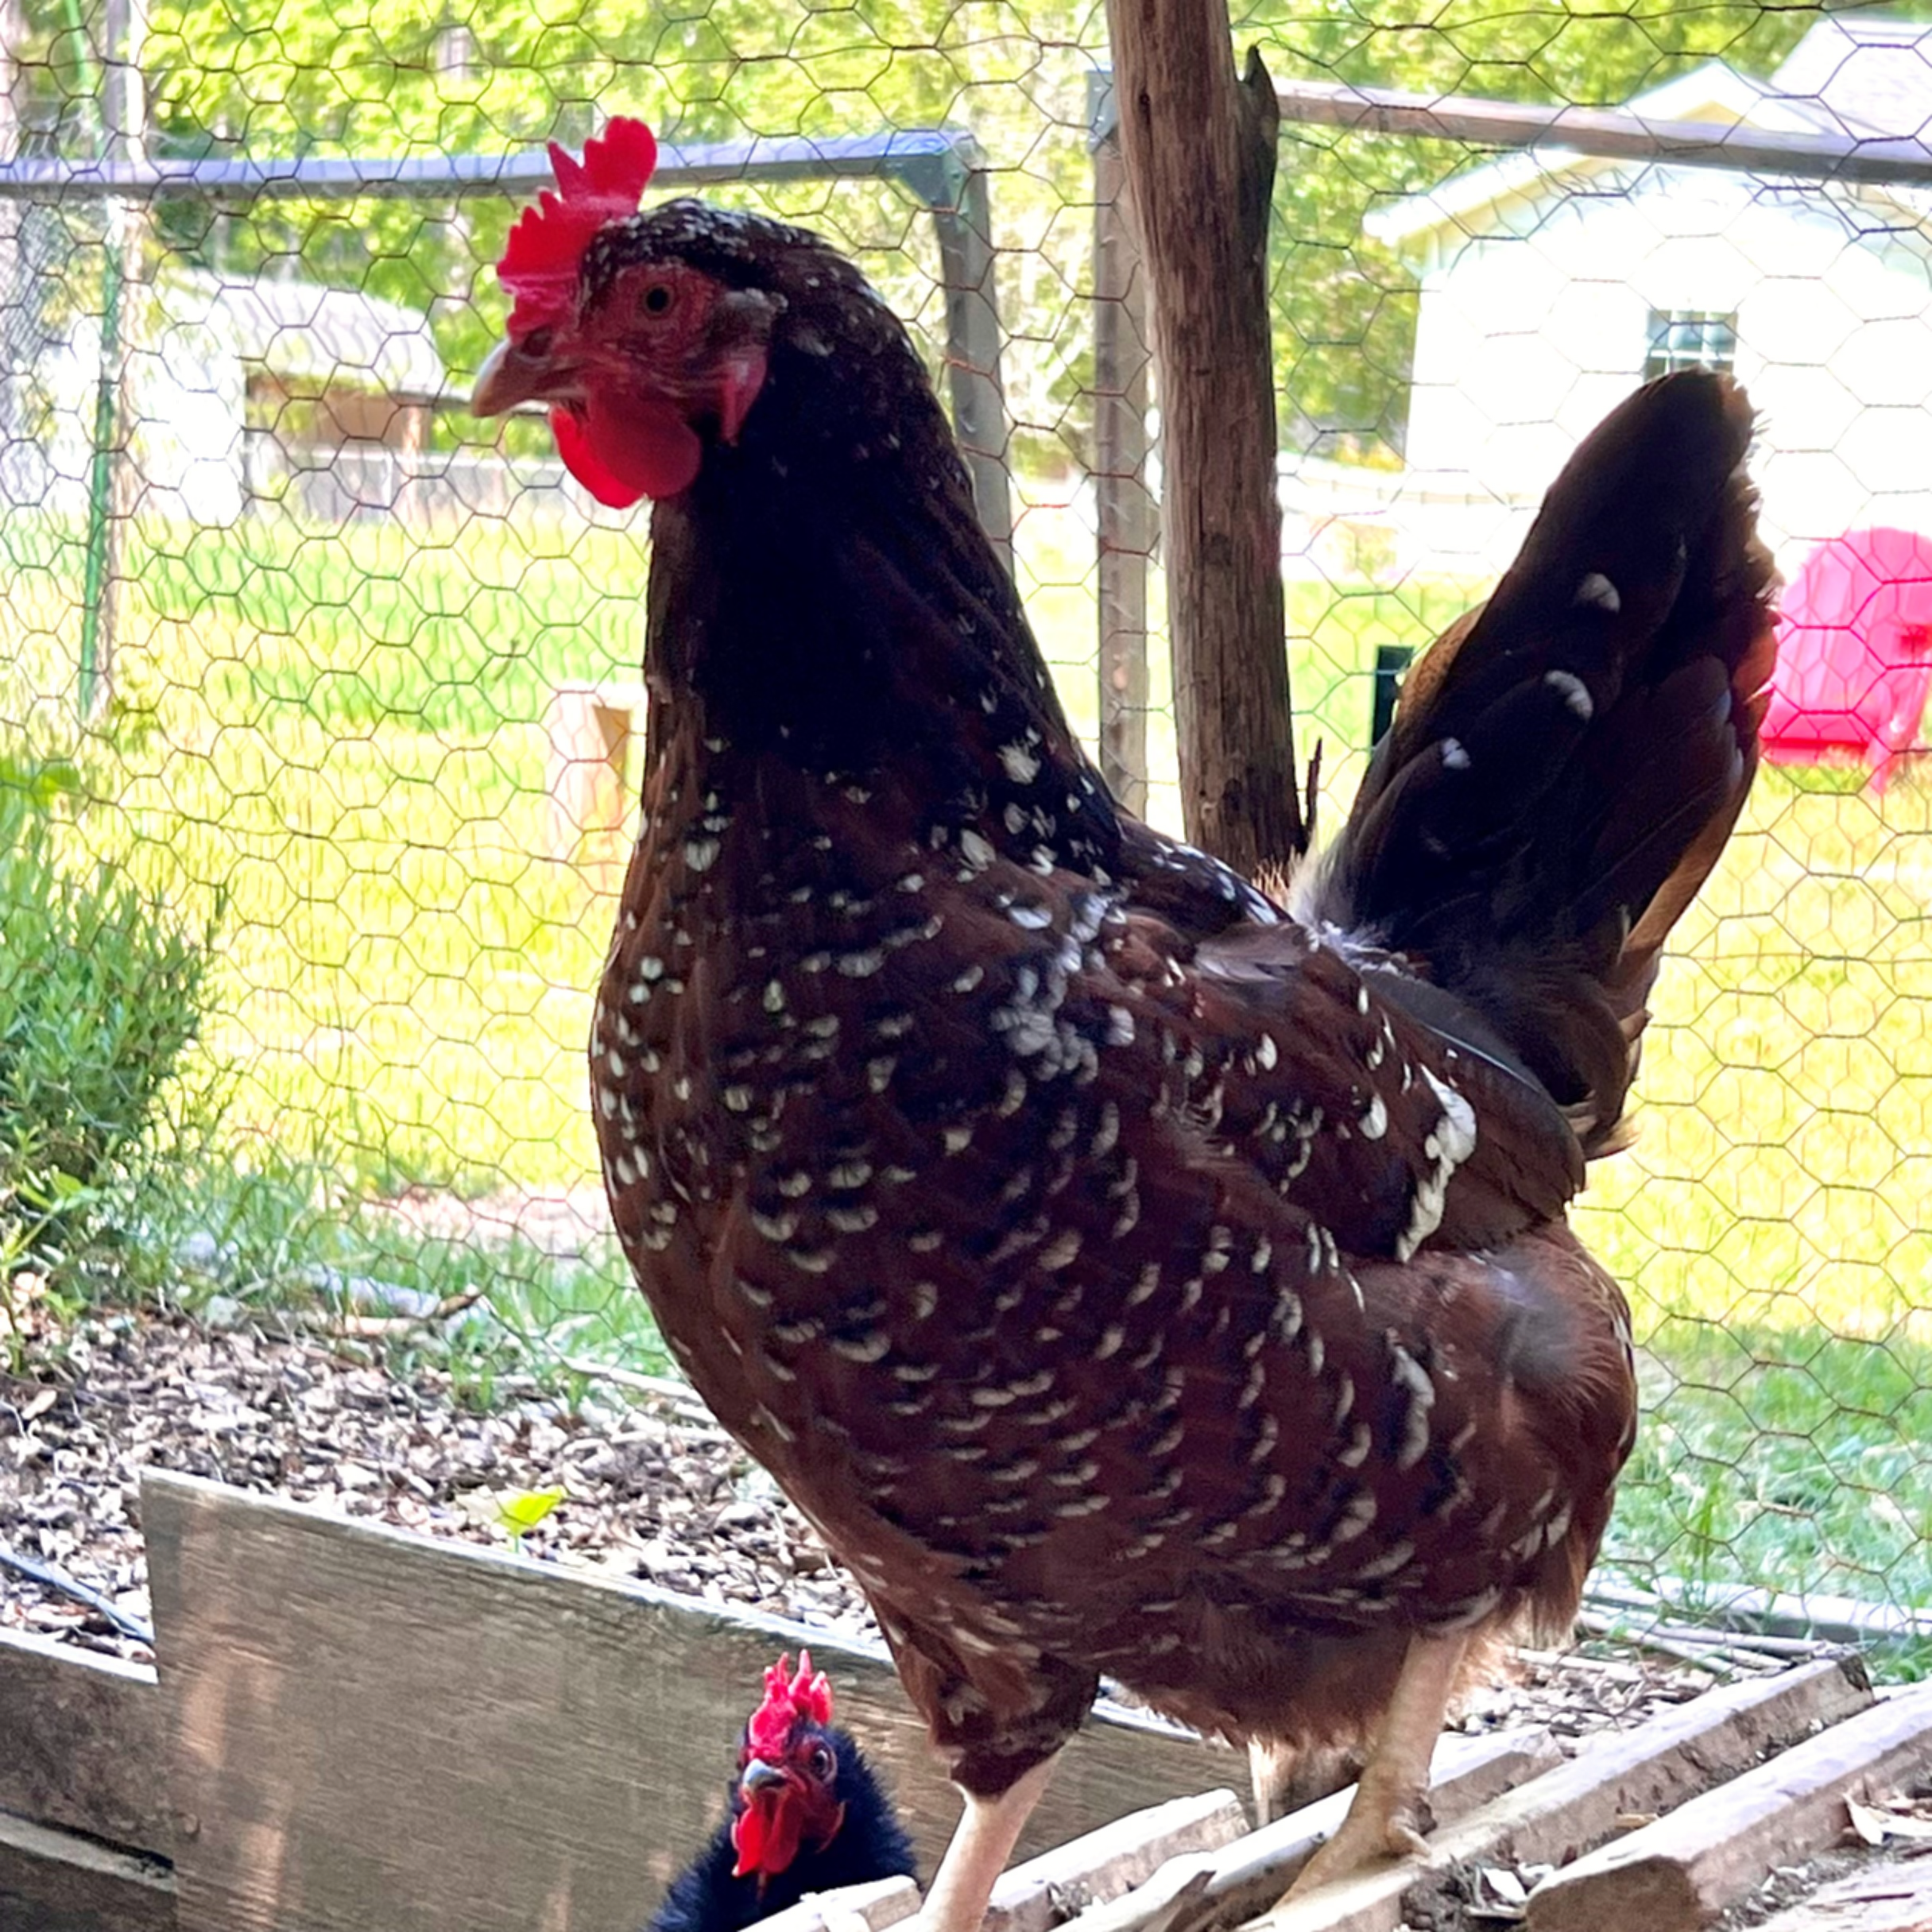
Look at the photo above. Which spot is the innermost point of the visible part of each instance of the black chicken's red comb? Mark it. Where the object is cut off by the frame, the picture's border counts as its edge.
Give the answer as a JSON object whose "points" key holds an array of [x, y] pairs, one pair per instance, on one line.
{"points": [[788, 1699], [538, 263]]}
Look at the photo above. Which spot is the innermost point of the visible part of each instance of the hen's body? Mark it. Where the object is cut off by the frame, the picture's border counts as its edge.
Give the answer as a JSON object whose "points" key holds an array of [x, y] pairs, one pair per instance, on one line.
{"points": [[1125, 1276], [983, 1203]]}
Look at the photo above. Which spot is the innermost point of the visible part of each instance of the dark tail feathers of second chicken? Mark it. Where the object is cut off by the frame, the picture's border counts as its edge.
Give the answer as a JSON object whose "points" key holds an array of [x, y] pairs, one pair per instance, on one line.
{"points": [[1569, 759]]}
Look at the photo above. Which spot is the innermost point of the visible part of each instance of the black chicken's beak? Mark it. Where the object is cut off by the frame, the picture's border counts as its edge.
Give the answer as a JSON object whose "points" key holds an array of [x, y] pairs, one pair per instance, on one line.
{"points": [[510, 376], [759, 1776]]}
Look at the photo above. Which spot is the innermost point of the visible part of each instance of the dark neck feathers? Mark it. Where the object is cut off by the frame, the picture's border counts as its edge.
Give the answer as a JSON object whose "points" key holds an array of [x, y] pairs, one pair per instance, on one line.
{"points": [[869, 1843], [824, 592]]}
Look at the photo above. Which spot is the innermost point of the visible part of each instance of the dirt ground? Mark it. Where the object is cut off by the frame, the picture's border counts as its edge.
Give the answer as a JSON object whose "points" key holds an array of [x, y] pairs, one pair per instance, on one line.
{"points": [[651, 1493]]}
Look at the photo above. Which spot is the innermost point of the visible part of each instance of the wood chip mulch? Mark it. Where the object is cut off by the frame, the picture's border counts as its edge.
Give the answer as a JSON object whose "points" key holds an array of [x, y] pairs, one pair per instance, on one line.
{"points": [[651, 1490], [647, 1493]]}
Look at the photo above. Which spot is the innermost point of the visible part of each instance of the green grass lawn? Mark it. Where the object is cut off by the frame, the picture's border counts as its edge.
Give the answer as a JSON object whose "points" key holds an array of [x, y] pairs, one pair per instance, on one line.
{"points": [[343, 733], [1782, 1456]]}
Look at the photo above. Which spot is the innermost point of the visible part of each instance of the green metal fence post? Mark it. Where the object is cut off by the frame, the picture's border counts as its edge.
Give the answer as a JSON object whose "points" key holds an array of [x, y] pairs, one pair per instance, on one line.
{"points": [[120, 111]]}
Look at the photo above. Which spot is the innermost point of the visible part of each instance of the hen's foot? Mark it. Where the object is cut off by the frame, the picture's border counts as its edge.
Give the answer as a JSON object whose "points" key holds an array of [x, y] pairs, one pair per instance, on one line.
{"points": [[1392, 1800], [1362, 1839]]}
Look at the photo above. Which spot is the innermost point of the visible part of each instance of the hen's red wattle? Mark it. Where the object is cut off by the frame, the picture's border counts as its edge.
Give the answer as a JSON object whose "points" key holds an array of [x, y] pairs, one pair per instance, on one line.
{"points": [[621, 453]]}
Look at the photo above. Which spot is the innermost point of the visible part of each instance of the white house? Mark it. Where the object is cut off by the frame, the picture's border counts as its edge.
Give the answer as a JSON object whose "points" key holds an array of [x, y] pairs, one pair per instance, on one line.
{"points": [[331, 374], [1552, 284]]}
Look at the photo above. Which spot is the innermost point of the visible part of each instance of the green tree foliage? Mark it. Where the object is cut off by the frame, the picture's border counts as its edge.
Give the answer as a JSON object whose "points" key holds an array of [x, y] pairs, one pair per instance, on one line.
{"points": [[390, 77]]}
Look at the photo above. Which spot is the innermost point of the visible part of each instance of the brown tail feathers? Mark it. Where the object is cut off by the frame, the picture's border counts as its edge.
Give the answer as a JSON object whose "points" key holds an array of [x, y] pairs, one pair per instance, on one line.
{"points": [[1568, 760]]}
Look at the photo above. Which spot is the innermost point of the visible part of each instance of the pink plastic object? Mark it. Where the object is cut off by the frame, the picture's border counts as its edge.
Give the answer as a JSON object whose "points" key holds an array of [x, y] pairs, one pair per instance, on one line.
{"points": [[1854, 654]]}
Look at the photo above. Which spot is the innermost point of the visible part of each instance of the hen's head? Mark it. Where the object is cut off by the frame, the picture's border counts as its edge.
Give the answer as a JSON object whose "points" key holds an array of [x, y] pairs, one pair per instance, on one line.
{"points": [[649, 335], [787, 1794]]}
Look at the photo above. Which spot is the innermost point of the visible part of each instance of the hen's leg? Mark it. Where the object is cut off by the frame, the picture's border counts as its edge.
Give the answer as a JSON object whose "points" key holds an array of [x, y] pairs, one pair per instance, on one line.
{"points": [[1271, 1765], [1285, 1777], [983, 1842], [1389, 1800]]}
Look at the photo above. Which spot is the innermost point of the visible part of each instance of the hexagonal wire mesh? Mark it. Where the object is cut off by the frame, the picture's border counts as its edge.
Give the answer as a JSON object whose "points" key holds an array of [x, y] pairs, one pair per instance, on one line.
{"points": [[356, 674]]}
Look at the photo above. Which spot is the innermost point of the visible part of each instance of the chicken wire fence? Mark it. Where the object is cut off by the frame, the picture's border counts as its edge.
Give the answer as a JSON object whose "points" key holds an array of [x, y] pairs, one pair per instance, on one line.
{"points": [[349, 680]]}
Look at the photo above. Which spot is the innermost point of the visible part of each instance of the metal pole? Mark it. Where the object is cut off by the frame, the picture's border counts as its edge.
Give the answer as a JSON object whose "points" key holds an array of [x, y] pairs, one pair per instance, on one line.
{"points": [[16, 286], [972, 355], [1604, 133], [926, 159], [122, 116], [96, 620], [1608, 133]]}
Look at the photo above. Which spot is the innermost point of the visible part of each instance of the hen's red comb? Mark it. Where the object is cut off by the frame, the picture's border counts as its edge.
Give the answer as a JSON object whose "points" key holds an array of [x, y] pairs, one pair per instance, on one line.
{"points": [[787, 1699], [538, 263]]}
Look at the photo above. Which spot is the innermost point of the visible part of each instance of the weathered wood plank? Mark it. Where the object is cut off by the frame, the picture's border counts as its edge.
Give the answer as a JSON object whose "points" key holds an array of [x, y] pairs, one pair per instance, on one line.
{"points": [[853, 1908], [1896, 1896], [1227, 1887], [374, 1727], [1678, 1873], [1557, 1818], [1104, 1863], [83, 1747], [53, 1881]]}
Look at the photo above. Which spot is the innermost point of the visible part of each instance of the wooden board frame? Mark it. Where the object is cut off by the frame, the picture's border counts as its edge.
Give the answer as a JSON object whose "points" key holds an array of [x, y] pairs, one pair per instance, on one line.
{"points": [[87, 1821], [82, 1746], [57, 1881], [353, 1725], [484, 1742]]}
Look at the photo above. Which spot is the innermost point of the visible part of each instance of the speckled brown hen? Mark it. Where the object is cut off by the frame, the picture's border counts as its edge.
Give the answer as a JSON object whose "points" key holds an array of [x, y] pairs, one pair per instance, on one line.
{"points": [[1124, 1275]]}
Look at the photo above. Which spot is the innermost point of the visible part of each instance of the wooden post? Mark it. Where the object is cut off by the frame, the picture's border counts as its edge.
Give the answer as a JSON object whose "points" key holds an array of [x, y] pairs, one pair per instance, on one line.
{"points": [[1123, 510], [589, 728], [1200, 153]]}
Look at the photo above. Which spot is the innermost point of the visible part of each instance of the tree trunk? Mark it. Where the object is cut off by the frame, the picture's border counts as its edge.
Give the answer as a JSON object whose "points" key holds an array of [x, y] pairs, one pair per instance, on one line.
{"points": [[1200, 150]]}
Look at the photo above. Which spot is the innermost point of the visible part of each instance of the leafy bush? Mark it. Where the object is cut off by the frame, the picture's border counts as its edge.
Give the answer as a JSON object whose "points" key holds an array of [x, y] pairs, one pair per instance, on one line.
{"points": [[102, 992]]}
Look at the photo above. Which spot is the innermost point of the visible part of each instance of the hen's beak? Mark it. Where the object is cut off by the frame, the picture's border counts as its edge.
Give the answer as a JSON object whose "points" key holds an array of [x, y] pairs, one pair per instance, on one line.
{"points": [[510, 376], [759, 1776]]}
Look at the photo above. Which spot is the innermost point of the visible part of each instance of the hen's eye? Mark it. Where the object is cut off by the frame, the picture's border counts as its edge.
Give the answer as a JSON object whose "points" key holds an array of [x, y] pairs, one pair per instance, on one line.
{"points": [[537, 342], [821, 1762], [657, 298]]}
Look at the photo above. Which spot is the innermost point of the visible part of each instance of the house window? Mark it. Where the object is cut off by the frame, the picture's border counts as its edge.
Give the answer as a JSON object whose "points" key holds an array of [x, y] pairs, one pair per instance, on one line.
{"points": [[455, 52], [1690, 338]]}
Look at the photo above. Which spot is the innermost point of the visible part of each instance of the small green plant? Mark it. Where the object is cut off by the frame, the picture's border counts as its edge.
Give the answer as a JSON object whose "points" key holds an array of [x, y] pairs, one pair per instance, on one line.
{"points": [[102, 992], [514, 1512]]}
